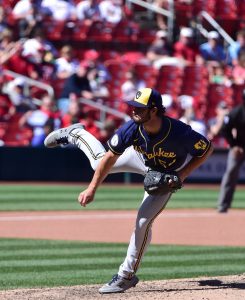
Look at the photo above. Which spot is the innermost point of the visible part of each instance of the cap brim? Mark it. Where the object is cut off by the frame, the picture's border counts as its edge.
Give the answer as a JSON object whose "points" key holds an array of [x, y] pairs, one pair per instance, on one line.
{"points": [[136, 104]]}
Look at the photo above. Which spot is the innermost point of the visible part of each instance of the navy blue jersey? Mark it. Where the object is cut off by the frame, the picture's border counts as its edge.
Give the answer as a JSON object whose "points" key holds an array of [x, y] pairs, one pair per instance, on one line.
{"points": [[167, 150]]}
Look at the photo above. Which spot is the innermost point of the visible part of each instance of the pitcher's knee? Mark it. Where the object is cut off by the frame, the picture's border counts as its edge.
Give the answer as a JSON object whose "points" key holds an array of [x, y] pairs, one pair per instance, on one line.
{"points": [[142, 223]]}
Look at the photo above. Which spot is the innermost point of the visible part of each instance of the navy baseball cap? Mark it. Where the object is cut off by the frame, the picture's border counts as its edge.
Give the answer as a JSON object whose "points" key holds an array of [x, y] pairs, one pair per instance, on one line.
{"points": [[147, 98]]}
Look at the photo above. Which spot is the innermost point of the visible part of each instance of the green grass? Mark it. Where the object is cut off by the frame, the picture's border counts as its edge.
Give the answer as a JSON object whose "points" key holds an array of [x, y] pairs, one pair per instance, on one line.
{"points": [[39, 263], [57, 197]]}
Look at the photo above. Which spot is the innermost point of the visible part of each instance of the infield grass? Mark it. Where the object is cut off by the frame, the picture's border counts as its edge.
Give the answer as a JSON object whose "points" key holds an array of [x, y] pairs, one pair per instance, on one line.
{"points": [[40, 263], [124, 197]]}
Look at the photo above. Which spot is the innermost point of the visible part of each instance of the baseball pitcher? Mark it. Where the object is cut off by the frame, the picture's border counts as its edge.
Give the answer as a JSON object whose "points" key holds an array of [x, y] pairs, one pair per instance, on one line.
{"points": [[151, 144]]}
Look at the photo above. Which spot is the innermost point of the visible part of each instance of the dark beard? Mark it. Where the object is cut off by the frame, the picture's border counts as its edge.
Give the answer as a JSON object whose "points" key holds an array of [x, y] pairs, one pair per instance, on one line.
{"points": [[142, 121]]}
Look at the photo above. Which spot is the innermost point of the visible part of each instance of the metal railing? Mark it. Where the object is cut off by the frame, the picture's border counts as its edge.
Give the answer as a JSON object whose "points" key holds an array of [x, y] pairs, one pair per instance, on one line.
{"points": [[168, 13], [31, 82], [221, 31], [104, 110]]}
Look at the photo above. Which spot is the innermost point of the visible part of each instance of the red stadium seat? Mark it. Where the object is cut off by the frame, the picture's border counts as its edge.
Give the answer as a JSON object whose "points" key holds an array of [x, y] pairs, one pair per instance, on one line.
{"points": [[16, 136], [80, 31], [169, 80], [146, 35], [216, 94], [237, 93], [56, 30], [147, 73], [100, 32], [117, 69], [125, 32]]}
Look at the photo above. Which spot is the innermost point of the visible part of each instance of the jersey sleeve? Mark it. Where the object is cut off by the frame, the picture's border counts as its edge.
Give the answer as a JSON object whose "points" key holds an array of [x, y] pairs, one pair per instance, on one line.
{"points": [[196, 144], [122, 138]]}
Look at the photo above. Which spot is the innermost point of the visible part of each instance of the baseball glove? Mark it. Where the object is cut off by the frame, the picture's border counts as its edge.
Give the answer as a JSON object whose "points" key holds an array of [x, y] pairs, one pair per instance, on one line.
{"points": [[158, 183]]}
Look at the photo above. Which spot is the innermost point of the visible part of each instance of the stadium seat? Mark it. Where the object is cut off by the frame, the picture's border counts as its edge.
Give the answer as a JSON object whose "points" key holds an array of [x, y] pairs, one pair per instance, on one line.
{"points": [[80, 31], [183, 13], [237, 93], [169, 80], [125, 32], [16, 136], [132, 57], [147, 73], [100, 32], [216, 94], [56, 30], [204, 5], [117, 69], [146, 36], [226, 9], [195, 82]]}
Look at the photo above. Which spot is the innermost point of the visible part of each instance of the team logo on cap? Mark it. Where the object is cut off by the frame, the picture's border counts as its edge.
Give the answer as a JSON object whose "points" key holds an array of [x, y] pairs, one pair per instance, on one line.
{"points": [[138, 94]]}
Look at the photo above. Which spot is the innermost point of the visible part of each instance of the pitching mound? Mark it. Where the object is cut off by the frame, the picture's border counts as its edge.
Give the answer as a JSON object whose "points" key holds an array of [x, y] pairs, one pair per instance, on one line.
{"points": [[218, 288]]}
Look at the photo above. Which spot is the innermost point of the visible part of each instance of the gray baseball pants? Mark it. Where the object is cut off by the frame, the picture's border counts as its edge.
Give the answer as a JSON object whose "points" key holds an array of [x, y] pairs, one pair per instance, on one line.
{"points": [[150, 208], [229, 180]]}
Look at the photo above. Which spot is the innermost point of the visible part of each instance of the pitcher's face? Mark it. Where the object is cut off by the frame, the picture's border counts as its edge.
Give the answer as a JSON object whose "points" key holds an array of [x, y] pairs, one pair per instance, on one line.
{"points": [[141, 115]]}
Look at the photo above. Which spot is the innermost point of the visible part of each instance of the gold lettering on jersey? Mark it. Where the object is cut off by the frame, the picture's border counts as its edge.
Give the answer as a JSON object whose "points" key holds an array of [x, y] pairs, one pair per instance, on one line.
{"points": [[200, 145], [162, 163], [159, 153]]}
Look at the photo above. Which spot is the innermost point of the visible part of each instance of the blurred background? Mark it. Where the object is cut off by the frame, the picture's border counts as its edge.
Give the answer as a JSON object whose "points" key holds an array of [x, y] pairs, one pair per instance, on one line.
{"points": [[63, 62]]}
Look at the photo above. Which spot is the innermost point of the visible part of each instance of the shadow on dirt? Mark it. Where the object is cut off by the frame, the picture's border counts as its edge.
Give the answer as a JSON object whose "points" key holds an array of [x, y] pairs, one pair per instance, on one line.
{"points": [[208, 284], [219, 283]]}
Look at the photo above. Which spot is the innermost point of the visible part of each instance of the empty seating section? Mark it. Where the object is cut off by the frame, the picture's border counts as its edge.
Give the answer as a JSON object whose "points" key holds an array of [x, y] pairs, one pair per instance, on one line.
{"points": [[216, 94], [16, 136], [147, 73], [169, 80]]}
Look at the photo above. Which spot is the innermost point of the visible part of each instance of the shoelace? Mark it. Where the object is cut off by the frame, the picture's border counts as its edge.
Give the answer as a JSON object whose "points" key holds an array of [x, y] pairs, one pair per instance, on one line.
{"points": [[114, 279], [62, 140]]}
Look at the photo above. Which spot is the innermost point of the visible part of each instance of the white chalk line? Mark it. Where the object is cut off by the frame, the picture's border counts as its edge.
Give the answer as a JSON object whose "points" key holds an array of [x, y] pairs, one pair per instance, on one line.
{"points": [[107, 216]]}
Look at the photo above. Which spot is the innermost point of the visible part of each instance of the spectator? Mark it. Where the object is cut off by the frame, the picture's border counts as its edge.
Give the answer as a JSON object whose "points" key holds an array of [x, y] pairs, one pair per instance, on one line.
{"points": [[37, 41], [131, 85], [107, 130], [129, 89], [92, 57], [73, 114], [88, 11], [111, 11], [188, 115], [66, 63], [76, 114], [8, 47], [233, 130], [24, 13], [3, 23], [16, 90], [41, 120], [88, 121], [159, 51], [78, 84], [212, 51], [6, 106], [217, 75], [34, 59], [238, 70], [59, 10], [236, 48], [186, 49], [97, 84], [161, 19]]}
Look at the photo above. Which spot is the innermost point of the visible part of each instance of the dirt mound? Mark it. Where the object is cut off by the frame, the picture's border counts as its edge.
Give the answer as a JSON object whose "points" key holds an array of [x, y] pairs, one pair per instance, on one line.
{"points": [[218, 288]]}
